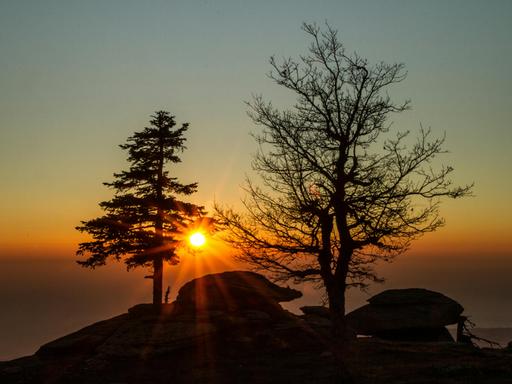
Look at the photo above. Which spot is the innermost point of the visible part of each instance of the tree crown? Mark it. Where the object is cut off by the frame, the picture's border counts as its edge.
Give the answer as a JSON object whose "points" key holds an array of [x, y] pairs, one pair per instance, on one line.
{"points": [[336, 193], [144, 219]]}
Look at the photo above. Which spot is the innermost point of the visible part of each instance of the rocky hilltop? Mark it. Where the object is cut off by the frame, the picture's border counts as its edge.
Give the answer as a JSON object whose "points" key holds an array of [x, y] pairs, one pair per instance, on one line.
{"points": [[230, 328]]}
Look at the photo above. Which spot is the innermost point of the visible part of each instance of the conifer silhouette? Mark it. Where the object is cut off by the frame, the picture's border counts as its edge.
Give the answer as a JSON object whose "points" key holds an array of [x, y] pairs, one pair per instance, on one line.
{"points": [[144, 222]]}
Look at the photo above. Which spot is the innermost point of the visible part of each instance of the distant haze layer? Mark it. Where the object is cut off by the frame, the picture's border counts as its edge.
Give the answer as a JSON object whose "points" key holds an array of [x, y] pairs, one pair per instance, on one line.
{"points": [[43, 299]]}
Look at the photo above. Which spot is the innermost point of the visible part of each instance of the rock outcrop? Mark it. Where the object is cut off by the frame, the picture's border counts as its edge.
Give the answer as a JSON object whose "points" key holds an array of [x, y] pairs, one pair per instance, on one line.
{"points": [[316, 310], [252, 342], [233, 291], [205, 307], [407, 314], [219, 325]]}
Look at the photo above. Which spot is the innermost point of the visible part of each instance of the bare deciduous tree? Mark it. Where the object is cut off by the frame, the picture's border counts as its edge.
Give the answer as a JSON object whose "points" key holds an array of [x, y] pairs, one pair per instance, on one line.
{"points": [[338, 189]]}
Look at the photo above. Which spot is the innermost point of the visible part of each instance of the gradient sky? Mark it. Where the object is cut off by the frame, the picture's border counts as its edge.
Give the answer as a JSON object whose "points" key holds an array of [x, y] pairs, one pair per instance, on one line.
{"points": [[78, 77]]}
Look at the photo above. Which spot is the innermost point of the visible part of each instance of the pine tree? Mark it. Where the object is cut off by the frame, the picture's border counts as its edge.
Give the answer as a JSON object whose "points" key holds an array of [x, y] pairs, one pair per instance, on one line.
{"points": [[144, 223]]}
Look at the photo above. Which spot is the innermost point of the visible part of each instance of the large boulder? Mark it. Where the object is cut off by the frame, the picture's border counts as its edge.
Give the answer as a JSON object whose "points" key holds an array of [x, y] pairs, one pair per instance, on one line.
{"points": [[411, 296], [316, 310], [405, 310], [233, 291]]}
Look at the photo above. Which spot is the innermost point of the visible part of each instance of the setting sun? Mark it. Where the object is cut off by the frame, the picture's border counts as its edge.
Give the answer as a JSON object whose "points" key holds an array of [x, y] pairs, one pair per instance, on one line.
{"points": [[197, 239]]}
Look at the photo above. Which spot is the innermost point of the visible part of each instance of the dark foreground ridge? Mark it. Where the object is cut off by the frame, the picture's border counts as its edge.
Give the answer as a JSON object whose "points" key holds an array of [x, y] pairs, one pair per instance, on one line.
{"points": [[229, 328]]}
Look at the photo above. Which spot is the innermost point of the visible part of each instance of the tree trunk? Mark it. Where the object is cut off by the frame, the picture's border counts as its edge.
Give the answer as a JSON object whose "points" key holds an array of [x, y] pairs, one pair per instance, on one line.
{"points": [[342, 337], [336, 296], [335, 283], [158, 269]]}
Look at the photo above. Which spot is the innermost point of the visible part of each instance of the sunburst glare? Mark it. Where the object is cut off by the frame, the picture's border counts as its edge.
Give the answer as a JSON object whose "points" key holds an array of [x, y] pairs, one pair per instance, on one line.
{"points": [[197, 239]]}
